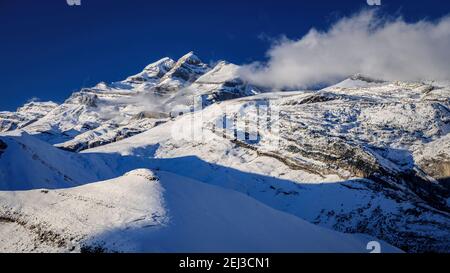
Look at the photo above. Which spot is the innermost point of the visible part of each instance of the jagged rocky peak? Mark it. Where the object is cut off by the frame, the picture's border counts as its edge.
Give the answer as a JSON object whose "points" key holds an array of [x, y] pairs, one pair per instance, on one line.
{"points": [[188, 68], [170, 75], [163, 65], [160, 68], [153, 71], [191, 59], [167, 74]]}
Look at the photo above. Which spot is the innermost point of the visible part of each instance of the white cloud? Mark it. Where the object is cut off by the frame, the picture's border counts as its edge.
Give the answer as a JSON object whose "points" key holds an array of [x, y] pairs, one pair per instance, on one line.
{"points": [[366, 43]]}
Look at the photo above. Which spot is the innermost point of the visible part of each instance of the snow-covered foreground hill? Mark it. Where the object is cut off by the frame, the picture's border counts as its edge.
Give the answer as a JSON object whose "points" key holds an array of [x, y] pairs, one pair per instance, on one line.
{"points": [[144, 211], [223, 160]]}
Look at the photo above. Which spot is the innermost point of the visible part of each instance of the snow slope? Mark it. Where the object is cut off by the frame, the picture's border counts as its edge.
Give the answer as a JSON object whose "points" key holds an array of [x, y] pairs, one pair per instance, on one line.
{"points": [[29, 163], [147, 212]]}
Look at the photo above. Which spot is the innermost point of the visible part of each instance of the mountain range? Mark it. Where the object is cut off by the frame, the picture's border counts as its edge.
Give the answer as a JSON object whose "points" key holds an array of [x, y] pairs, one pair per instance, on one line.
{"points": [[189, 157]]}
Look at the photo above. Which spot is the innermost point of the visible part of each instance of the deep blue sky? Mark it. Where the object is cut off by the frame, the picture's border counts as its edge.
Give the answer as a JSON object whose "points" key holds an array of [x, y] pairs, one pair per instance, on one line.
{"points": [[49, 49]]}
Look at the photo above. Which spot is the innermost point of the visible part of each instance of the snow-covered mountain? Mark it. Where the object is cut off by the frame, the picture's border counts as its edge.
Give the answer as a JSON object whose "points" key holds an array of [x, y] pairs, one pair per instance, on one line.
{"points": [[109, 112], [24, 115], [364, 156]]}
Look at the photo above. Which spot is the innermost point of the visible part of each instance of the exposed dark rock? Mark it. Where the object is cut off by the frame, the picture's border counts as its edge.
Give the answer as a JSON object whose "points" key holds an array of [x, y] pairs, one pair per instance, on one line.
{"points": [[319, 97], [88, 100], [151, 115], [221, 96], [77, 147], [84, 97], [233, 83], [364, 78], [438, 168], [137, 79], [42, 233], [80, 146]]}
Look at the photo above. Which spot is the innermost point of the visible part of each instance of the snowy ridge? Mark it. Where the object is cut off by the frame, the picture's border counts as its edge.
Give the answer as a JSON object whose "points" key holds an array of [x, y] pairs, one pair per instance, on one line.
{"points": [[25, 115], [29, 163], [166, 213]]}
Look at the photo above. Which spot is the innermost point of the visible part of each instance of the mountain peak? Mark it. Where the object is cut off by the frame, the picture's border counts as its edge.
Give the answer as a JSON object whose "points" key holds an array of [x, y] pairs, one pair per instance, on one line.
{"points": [[190, 58], [166, 61], [153, 71], [187, 69]]}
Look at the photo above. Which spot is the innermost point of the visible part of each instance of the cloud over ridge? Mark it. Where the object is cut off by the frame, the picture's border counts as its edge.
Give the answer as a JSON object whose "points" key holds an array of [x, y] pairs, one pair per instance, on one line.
{"points": [[366, 43]]}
